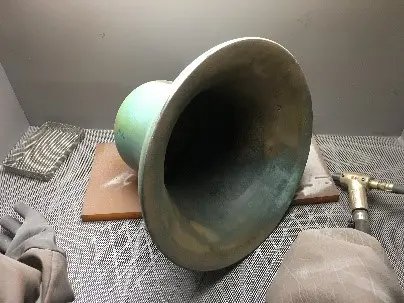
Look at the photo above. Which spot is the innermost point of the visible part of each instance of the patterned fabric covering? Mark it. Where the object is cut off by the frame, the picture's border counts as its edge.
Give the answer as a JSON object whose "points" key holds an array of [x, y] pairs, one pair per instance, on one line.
{"points": [[44, 151], [116, 261]]}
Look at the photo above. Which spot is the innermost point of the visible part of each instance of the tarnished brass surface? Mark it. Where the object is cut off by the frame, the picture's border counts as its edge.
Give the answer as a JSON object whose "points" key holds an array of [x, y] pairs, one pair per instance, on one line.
{"points": [[376, 184], [358, 184], [220, 150]]}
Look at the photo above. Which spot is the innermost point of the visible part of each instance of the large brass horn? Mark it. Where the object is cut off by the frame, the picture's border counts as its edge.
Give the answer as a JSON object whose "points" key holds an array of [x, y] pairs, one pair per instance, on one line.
{"points": [[219, 151]]}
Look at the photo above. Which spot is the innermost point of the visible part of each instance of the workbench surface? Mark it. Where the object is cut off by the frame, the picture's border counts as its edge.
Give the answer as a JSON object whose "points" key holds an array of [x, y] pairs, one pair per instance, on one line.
{"points": [[116, 261]]}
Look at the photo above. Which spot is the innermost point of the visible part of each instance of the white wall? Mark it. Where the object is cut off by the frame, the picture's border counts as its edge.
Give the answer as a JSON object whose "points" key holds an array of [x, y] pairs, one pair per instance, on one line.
{"points": [[12, 119], [75, 61]]}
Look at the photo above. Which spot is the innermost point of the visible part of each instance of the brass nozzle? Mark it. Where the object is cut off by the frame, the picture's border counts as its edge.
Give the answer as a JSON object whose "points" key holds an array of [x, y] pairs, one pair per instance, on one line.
{"points": [[357, 185], [367, 181]]}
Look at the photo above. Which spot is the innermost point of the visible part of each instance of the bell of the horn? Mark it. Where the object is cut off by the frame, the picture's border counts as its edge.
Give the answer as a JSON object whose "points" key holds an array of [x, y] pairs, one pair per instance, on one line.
{"points": [[220, 151]]}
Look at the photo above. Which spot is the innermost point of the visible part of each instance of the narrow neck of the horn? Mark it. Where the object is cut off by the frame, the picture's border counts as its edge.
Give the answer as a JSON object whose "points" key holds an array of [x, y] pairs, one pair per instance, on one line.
{"points": [[139, 110]]}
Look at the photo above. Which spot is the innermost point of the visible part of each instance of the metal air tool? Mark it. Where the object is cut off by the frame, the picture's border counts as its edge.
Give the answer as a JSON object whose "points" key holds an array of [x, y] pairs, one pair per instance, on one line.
{"points": [[358, 185]]}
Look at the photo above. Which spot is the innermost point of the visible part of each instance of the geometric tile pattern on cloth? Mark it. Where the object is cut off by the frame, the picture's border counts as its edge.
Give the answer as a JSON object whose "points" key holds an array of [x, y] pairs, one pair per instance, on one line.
{"points": [[116, 261]]}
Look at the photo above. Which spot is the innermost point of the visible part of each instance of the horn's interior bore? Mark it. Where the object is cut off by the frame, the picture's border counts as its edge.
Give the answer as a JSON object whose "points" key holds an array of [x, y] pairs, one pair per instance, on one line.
{"points": [[231, 155], [215, 153]]}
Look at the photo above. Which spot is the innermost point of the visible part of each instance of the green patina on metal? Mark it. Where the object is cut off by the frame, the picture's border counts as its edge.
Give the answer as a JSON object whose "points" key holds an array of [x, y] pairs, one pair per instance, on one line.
{"points": [[138, 111], [220, 151]]}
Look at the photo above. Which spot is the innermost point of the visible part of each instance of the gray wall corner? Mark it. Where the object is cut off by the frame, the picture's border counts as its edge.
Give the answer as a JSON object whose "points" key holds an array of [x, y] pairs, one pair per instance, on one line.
{"points": [[13, 122]]}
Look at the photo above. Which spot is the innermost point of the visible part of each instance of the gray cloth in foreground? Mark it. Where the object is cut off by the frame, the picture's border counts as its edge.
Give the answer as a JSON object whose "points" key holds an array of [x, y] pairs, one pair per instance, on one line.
{"points": [[33, 268], [335, 265]]}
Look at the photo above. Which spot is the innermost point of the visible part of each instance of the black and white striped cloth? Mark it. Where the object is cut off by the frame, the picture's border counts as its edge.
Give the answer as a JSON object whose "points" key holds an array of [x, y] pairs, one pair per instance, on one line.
{"points": [[42, 153]]}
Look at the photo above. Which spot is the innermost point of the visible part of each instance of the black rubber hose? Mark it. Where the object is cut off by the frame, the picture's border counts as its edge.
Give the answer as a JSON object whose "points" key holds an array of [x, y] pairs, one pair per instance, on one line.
{"points": [[398, 189], [336, 176]]}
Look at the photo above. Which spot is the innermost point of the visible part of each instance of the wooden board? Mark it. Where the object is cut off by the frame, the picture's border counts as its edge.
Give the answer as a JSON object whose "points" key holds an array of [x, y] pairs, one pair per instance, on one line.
{"points": [[112, 189]]}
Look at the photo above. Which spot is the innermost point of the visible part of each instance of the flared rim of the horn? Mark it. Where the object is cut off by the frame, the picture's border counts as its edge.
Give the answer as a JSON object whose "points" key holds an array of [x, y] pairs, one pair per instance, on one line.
{"points": [[151, 176]]}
